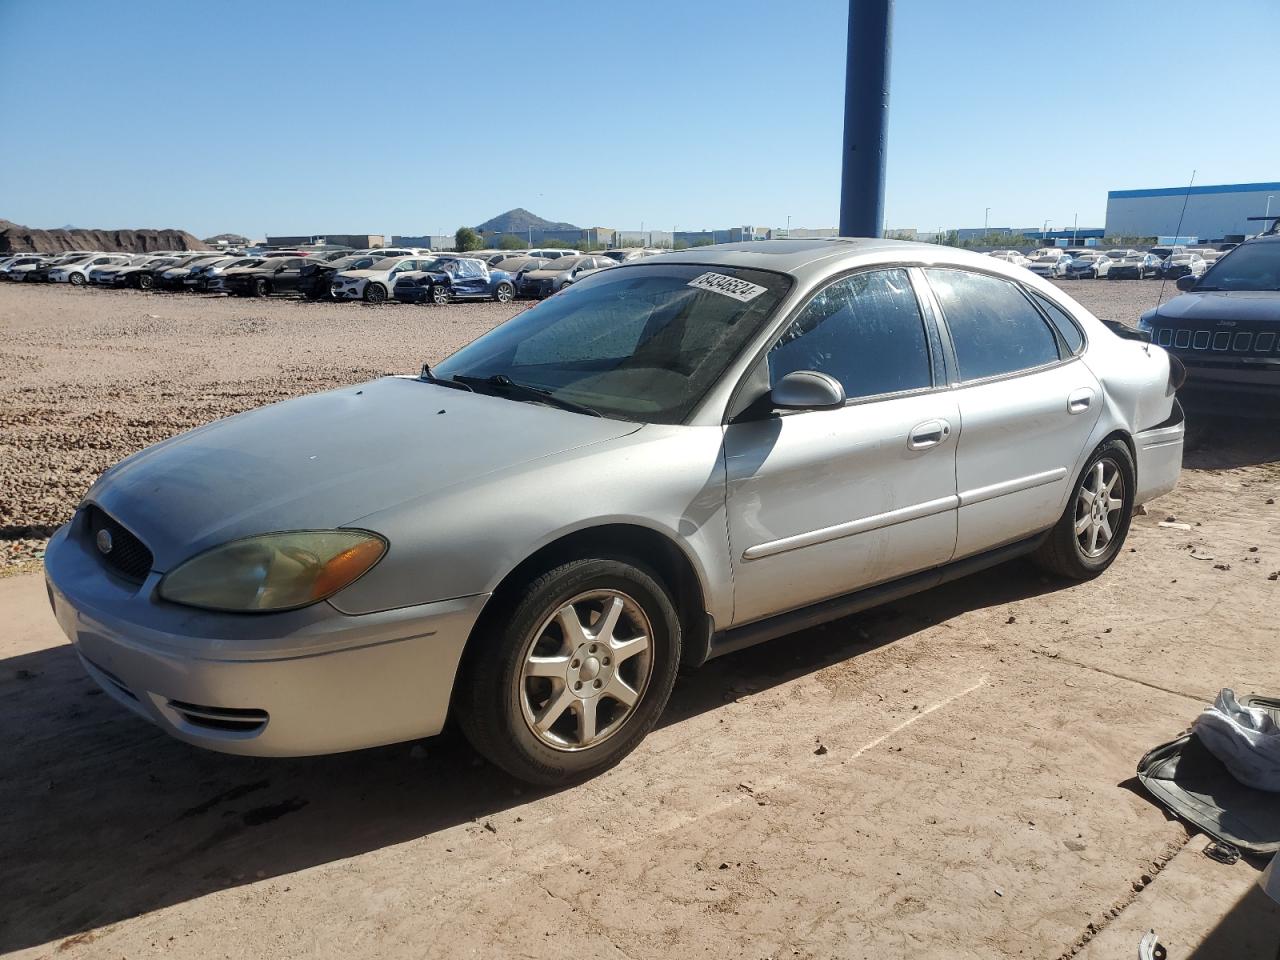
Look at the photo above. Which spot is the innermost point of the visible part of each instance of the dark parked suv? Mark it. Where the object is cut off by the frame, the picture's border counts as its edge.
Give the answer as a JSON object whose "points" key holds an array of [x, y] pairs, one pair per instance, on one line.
{"points": [[276, 275], [1225, 327]]}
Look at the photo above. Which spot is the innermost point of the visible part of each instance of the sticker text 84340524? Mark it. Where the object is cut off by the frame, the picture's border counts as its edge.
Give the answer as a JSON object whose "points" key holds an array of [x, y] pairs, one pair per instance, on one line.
{"points": [[742, 290]]}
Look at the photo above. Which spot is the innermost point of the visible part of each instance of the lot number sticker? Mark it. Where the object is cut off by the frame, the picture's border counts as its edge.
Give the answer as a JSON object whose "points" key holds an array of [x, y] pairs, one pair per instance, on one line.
{"points": [[728, 286]]}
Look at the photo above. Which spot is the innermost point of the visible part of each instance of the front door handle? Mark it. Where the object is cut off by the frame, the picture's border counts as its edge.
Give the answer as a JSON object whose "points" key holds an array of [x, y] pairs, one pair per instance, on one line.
{"points": [[1079, 400], [928, 434]]}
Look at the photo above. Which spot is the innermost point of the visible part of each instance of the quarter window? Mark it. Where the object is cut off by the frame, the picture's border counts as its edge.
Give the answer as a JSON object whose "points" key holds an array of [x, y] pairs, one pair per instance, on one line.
{"points": [[865, 330], [1071, 334], [994, 328]]}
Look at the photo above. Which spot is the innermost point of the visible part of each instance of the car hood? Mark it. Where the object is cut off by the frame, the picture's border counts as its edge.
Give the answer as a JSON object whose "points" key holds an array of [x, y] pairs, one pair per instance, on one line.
{"points": [[360, 274], [1248, 306], [543, 274], [327, 460]]}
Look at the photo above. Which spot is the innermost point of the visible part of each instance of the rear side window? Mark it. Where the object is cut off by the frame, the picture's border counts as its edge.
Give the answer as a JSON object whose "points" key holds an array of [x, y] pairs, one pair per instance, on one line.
{"points": [[865, 330], [994, 328], [1071, 334]]}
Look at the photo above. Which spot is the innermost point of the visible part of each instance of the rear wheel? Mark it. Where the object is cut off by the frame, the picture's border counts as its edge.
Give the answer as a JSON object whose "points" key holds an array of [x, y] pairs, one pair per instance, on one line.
{"points": [[374, 293], [1092, 529], [567, 680], [505, 293]]}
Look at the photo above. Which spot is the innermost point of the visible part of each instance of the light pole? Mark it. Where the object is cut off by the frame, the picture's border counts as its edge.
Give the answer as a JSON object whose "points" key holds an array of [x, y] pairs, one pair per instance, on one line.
{"points": [[866, 118], [789, 222], [1266, 226], [1044, 232], [986, 221], [1075, 229]]}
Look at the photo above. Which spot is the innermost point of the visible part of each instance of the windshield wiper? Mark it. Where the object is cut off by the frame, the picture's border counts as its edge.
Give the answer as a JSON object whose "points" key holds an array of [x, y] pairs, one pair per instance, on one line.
{"points": [[522, 391]]}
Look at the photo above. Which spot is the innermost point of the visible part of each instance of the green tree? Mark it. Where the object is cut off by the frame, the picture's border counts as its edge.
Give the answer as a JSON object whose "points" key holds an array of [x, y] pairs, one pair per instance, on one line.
{"points": [[509, 241], [467, 239]]}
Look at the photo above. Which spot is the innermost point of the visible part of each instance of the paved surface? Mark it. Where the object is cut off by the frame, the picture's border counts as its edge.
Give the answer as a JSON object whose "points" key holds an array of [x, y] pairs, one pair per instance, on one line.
{"points": [[974, 797]]}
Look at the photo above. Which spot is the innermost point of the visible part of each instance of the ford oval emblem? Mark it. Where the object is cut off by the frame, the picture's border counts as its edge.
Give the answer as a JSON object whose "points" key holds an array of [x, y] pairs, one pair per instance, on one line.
{"points": [[103, 540]]}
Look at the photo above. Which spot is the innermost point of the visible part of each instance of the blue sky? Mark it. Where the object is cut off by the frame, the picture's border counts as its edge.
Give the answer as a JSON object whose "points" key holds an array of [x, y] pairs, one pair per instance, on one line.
{"points": [[317, 116]]}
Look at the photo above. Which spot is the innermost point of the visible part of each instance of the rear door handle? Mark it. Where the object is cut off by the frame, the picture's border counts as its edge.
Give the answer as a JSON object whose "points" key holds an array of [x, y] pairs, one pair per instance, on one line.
{"points": [[1078, 401], [928, 434]]}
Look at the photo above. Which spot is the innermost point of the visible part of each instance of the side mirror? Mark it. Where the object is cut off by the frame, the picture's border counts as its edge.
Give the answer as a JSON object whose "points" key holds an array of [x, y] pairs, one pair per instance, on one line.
{"points": [[1186, 282], [807, 390], [280, 269]]}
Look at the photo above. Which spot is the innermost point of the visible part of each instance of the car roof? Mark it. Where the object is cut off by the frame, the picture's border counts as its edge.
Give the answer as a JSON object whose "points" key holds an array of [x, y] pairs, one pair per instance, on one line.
{"points": [[797, 256]]}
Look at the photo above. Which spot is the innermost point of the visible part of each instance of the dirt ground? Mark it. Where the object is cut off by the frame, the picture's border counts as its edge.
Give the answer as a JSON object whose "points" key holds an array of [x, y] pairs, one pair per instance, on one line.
{"points": [[948, 776]]}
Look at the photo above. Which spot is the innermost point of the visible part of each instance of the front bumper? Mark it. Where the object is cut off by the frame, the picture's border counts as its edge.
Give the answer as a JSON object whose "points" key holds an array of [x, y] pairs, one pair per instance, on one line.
{"points": [[298, 683], [354, 291]]}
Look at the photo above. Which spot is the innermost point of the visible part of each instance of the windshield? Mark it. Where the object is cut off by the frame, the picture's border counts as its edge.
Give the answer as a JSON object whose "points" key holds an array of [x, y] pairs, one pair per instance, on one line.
{"points": [[1160, 252], [386, 263], [637, 343], [1250, 266]]}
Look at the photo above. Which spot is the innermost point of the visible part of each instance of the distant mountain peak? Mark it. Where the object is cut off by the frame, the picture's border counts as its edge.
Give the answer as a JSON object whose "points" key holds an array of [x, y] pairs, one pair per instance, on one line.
{"points": [[521, 220]]}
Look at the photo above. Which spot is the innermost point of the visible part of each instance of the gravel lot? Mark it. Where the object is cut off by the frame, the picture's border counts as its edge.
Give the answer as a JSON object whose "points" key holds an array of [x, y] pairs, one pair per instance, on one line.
{"points": [[973, 796]]}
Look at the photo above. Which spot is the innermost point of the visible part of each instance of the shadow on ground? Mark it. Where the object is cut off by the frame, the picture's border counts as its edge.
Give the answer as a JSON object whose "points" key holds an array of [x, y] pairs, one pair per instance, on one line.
{"points": [[1250, 930], [103, 818], [1216, 442]]}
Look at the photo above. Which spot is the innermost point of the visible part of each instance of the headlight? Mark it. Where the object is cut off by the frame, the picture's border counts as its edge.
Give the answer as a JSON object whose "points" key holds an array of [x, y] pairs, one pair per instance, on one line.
{"points": [[277, 571], [1144, 324]]}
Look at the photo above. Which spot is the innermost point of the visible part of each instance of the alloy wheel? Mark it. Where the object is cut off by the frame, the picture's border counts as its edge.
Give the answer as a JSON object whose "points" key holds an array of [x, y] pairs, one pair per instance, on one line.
{"points": [[585, 670], [1099, 507], [439, 295]]}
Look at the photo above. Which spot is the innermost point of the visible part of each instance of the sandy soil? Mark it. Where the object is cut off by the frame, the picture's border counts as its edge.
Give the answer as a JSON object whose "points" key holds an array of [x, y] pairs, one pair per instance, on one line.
{"points": [[973, 796]]}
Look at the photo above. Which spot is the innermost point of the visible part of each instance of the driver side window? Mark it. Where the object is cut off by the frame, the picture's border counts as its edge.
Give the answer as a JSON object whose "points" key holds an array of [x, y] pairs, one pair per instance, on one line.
{"points": [[865, 330]]}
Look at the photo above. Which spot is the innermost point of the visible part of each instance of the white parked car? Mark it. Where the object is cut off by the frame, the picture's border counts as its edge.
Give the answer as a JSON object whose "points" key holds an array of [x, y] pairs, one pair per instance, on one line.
{"points": [[1046, 263], [76, 272], [553, 253], [375, 284], [1011, 256], [16, 268]]}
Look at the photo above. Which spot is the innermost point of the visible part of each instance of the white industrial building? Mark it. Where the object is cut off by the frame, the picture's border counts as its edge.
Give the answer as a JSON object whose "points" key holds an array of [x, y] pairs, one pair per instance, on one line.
{"points": [[1212, 212]]}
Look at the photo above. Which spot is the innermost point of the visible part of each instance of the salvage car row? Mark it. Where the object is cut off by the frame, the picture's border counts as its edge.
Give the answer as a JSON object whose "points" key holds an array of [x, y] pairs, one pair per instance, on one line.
{"points": [[1087, 263], [405, 274]]}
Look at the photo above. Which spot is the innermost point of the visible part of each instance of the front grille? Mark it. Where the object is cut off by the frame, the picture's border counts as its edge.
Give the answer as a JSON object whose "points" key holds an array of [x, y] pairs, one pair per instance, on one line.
{"points": [[222, 719], [128, 556], [1220, 341]]}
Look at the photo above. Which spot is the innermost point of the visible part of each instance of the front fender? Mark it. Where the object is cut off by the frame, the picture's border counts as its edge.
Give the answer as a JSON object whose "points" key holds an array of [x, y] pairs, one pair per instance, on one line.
{"points": [[466, 539]]}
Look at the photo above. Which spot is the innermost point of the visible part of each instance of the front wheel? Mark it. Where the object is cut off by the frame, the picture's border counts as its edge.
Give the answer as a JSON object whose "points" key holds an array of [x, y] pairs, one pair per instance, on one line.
{"points": [[505, 293], [76, 279], [567, 680], [375, 293], [439, 295], [146, 281], [1092, 529], [261, 287]]}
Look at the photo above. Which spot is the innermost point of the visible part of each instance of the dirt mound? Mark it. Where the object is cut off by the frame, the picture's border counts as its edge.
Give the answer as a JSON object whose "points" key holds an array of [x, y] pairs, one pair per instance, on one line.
{"points": [[19, 239]]}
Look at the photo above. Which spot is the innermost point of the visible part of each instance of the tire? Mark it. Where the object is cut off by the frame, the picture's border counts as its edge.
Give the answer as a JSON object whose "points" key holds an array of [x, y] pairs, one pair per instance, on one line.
{"points": [[261, 287], [76, 279], [375, 293], [439, 295], [1074, 548], [520, 699], [505, 293], [146, 281]]}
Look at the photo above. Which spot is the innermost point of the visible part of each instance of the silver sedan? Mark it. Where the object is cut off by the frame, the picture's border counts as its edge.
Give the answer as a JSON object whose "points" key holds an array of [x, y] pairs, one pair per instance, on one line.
{"points": [[668, 461]]}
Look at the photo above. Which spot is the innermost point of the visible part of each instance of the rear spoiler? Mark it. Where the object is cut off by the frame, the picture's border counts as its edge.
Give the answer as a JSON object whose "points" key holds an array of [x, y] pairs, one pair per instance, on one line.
{"points": [[1126, 332]]}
